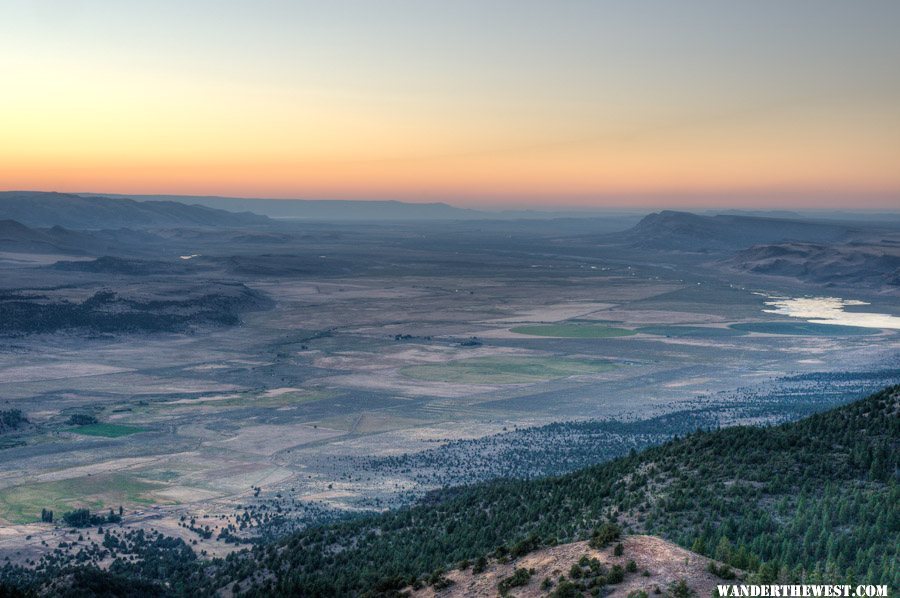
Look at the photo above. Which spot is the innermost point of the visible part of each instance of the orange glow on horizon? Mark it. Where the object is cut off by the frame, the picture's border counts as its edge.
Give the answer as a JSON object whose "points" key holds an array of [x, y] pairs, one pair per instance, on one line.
{"points": [[403, 113]]}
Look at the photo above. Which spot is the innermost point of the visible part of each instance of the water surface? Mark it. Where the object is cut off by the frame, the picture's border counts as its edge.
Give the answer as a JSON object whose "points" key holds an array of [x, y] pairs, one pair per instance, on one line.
{"points": [[830, 310]]}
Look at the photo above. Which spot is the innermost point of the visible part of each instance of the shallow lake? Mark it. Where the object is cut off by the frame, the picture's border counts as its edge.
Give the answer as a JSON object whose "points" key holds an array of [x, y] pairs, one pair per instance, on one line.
{"points": [[830, 310]]}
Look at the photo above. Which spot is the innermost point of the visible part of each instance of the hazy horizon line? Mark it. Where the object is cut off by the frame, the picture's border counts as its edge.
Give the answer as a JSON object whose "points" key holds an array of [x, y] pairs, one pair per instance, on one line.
{"points": [[499, 208]]}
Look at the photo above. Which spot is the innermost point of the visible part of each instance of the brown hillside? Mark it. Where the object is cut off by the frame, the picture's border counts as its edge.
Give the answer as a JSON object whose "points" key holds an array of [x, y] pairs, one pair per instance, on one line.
{"points": [[665, 562]]}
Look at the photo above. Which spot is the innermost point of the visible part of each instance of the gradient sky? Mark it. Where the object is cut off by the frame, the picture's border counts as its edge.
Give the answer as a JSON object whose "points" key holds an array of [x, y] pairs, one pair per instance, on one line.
{"points": [[777, 103]]}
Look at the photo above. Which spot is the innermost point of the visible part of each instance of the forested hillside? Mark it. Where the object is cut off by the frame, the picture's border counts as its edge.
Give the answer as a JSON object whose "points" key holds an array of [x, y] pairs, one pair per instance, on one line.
{"points": [[812, 500]]}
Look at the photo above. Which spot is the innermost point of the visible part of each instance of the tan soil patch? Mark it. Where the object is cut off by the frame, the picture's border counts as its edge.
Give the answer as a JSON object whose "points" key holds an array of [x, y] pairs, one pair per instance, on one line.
{"points": [[665, 562]]}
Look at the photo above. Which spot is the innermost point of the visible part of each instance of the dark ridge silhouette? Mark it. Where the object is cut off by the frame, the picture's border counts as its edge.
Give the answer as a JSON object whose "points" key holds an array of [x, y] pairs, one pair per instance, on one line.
{"points": [[45, 209], [16, 237]]}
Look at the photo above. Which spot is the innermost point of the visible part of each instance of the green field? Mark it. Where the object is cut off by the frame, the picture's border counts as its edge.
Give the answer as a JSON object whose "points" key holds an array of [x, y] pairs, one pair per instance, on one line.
{"points": [[804, 329], [691, 331], [108, 430], [23, 504], [506, 370], [572, 330]]}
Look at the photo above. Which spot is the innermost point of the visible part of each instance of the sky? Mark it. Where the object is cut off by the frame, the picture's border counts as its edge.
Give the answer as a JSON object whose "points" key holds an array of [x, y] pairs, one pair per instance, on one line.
{"points": [[481, 103]]}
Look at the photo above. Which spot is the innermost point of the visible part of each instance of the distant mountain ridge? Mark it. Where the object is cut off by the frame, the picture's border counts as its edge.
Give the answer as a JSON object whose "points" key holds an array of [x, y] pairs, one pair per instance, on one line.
{"points": [[379, 210], [18, 238], [48, 209], [684, 231], [323, 209]]}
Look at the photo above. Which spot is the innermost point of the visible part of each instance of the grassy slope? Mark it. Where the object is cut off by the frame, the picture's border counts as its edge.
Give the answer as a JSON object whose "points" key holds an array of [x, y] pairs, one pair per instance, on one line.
{"points": [[23, 504]]}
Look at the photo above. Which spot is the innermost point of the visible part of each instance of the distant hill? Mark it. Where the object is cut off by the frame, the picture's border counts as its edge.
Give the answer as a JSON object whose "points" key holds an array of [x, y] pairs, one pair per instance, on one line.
{"points": [[684, 231], [18, 238], [874, 265], [42, 209]]}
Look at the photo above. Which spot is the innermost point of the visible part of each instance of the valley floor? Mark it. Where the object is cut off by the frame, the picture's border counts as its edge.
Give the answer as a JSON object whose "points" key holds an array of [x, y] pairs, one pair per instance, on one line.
{"points": [[378, 364]]}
